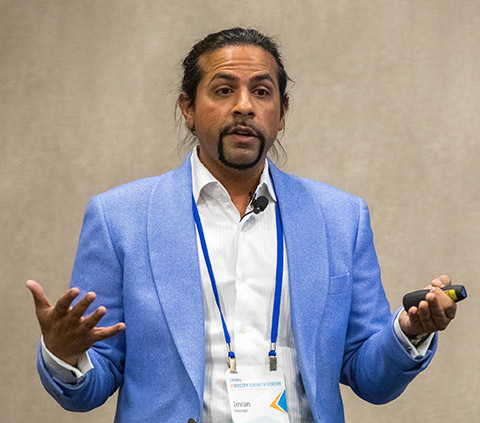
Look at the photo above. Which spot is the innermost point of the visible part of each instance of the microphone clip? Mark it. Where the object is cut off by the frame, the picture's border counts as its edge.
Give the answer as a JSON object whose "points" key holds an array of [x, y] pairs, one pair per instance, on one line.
{"points": [[259, 204]]}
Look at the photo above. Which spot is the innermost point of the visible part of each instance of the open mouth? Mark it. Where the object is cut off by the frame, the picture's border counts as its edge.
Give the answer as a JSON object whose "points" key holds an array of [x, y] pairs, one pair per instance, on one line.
{"points": [[243, 132]]}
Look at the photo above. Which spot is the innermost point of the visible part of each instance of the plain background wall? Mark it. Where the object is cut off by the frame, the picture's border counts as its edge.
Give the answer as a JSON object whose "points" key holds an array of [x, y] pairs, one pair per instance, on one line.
{"points": [[386, 105]]}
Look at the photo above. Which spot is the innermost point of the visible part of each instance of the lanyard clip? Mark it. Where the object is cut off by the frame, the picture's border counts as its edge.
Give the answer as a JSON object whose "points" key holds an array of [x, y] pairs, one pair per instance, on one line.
{"points": [[232, 361], [272, 355]]}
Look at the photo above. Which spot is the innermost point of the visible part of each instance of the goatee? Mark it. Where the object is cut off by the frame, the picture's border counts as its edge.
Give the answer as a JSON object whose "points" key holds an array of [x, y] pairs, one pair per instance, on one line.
{"points": [[234, 165]]}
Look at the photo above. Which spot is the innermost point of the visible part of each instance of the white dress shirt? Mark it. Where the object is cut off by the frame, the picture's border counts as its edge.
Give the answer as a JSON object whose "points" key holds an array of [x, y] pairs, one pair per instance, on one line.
{"points": [[243, 253], [243, 257]]}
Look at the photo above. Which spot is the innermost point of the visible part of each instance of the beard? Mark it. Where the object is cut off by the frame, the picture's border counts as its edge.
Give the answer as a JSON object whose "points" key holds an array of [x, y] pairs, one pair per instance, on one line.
{"points": [[238, 164]]}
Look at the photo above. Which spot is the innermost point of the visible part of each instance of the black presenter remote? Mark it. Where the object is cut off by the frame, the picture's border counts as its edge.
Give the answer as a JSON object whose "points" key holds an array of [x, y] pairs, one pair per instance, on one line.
{"points": [[455, 292]]}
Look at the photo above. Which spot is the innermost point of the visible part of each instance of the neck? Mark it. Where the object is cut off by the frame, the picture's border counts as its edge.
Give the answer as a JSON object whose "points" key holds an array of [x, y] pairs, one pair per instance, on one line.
{"points": [[240, 189], [238, 183]]}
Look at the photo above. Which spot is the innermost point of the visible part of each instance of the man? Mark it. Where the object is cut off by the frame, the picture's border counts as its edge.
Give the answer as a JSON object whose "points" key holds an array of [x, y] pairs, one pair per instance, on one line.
{"points": [[189, 278]]}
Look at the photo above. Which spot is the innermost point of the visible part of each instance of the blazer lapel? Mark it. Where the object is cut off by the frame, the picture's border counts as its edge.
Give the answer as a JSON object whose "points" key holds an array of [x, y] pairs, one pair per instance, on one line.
{"points": [[307, 254], [174, 260]]}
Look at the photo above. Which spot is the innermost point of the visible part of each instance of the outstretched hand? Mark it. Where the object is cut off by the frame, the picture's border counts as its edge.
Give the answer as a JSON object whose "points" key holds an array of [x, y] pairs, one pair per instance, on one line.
{"points": [[432, 314], [66, 333]]}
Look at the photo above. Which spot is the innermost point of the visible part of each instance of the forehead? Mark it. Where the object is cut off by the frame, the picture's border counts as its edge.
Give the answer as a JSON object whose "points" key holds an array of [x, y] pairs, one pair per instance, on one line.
{"points": [[241, 61]]}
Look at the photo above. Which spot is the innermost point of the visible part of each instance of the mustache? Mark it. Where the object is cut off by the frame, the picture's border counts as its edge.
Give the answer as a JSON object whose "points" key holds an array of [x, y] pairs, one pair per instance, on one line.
{"points": [[242, 125]]}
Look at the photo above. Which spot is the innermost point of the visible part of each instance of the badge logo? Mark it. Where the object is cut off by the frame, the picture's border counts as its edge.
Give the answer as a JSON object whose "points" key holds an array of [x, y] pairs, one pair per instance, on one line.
{"points": [[280, 403]]}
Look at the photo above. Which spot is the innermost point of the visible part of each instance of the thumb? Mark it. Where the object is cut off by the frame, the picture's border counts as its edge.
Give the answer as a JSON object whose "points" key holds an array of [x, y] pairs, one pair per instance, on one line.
{"points": [[443, 280], [39, 297]]}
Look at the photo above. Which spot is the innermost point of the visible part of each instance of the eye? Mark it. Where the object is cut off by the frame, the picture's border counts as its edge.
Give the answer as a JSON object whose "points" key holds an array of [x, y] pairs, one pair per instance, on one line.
{"points": [[262, 92], [224, 91]]}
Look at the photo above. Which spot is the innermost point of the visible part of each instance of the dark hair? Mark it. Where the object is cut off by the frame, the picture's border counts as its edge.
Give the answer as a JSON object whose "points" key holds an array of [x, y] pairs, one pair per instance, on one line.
{"points": [[230, 37]]}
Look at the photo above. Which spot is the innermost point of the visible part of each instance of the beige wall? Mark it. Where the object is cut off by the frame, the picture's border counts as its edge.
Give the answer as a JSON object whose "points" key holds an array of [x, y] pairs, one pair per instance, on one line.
{"points": [[386, 105]]}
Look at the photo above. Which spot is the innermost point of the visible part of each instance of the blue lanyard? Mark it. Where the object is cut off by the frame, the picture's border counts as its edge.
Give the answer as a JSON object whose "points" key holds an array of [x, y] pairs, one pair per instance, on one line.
{"points": [[278, 287]]}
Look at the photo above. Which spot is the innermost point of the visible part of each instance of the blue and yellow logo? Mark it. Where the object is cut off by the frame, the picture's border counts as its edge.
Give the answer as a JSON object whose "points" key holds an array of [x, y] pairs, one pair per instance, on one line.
{"points": [[280, 403]]}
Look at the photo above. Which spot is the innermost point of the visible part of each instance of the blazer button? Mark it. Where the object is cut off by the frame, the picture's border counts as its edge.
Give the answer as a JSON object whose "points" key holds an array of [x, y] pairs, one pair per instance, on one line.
{"points": [[192, 420]]}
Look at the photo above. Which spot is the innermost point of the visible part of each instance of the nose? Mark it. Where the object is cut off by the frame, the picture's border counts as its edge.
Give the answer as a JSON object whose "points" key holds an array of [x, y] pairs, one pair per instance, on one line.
{"points": [[244, 105]]}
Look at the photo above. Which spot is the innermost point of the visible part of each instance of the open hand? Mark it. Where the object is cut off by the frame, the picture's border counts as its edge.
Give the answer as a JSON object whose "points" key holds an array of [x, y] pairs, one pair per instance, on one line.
{"points": [[66, 333], [432, 314]]}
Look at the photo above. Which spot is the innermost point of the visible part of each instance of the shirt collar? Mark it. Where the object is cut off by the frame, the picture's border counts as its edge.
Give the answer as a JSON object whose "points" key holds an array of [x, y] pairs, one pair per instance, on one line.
{"points": [[202, 179]]}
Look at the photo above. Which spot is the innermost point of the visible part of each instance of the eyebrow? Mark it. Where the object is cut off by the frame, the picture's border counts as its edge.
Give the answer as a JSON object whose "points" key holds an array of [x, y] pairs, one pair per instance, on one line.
{"points": [[230, 77], [264, 77], [226, 76]]}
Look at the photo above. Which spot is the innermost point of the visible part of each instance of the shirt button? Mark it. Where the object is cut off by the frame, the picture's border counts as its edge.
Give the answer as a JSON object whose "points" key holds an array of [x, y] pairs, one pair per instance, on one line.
{"points": [[243, 329]]}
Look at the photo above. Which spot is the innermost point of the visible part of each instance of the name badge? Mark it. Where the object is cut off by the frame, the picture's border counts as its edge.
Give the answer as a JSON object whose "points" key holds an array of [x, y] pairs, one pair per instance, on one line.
{"points": [[257, 395]]}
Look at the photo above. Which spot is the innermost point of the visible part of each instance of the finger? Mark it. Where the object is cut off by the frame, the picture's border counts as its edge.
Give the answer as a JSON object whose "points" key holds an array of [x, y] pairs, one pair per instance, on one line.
{"points": [[62, 306], [451, 311], [39, 297], [108, 332], [437, 313], [416, 326], [442, 281], [92, 320], [433, 314], [448, 306], [413, 315], [81, 307], [425, 316]]}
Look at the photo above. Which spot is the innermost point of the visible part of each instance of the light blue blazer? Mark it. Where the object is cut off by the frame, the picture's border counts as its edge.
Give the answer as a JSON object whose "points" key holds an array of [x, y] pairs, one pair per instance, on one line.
{"points": [[138, 252]]}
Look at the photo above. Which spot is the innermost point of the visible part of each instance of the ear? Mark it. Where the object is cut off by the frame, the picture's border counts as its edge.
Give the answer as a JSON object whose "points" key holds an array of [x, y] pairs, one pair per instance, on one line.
{"points": [[284, 112], [187, 109]]}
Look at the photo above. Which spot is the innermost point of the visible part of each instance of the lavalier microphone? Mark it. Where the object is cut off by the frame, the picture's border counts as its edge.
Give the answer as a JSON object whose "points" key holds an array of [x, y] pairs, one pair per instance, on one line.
{"points": [[259, 204]]}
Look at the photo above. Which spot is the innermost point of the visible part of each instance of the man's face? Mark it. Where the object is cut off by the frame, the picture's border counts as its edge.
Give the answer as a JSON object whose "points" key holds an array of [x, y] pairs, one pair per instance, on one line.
{"points": [[237, 112]]}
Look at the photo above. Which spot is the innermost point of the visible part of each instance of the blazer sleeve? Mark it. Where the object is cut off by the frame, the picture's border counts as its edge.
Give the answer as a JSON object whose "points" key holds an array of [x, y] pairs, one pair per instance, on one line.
{"points": [[375, 365], [97, 268]]}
